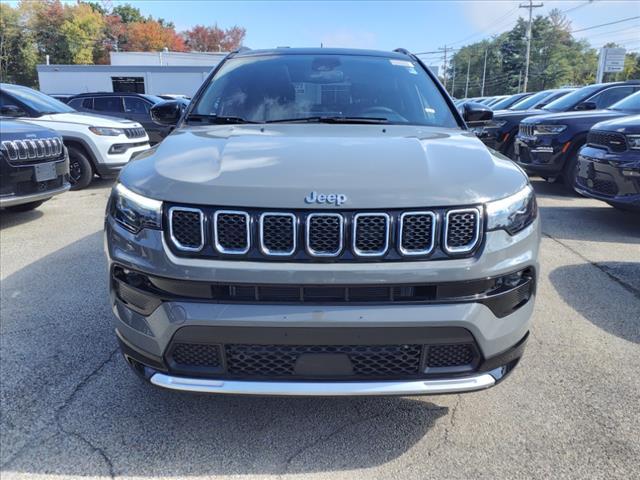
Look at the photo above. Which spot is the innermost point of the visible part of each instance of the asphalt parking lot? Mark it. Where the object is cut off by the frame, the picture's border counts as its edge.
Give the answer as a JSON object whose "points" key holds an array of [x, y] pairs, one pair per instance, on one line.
{"points": [[72, 409]]}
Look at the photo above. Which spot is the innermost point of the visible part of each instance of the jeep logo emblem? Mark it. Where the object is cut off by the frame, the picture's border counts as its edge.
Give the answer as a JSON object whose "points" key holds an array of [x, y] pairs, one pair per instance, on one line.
{"points": [[330, 198]]}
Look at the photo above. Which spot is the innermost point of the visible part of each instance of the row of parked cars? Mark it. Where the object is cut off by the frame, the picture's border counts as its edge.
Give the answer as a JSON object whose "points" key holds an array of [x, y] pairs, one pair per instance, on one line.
{"points": [[586, 137], [49, 146]]}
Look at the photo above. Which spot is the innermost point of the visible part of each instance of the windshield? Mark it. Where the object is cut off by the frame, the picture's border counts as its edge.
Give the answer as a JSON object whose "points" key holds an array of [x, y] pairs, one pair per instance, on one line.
{"points": [[37, 101], [629, 104], [566, 102], [531, 101], [293, 87], [506, 102]]}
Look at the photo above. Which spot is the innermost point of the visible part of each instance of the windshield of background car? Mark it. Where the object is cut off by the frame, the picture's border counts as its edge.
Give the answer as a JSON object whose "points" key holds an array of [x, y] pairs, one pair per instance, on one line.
{"points": [[570, 100], [38, 101], [295, 86], [529, 102], [629, 104]]}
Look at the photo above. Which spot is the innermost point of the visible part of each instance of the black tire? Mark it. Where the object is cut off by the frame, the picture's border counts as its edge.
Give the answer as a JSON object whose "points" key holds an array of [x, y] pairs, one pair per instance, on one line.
{"points": [[570, 171], [80, 170], [25, 207], [510, 150]]}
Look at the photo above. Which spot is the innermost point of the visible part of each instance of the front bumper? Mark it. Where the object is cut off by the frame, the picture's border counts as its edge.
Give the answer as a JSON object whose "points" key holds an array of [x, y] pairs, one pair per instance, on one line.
{"points": [[19, 184], [543, 155]]}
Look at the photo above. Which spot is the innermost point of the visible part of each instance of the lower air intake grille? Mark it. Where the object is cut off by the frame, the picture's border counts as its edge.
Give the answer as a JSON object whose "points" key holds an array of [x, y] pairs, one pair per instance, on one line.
{"points": [[450, 355], [186, 227], [196, 355], [462, 229], [280, 360]]}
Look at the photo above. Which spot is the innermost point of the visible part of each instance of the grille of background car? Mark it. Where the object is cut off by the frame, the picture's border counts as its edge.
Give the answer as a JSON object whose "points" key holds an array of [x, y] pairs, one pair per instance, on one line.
{"points": [[29, 150], [616, 142], [526, 130], [318, 235], [135, 132]]}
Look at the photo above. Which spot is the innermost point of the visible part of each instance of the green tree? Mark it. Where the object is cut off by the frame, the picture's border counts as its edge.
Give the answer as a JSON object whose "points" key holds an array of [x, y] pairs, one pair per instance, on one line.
{"points": [[83, 32], [128, 13], [18, 52]]}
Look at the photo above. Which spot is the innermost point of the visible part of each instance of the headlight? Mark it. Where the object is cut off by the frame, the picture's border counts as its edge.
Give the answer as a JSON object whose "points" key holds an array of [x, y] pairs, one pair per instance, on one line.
{"points": [[133, 211], [634, 141], [513, 213], [548, 129], [496, 124], [106, 131]]}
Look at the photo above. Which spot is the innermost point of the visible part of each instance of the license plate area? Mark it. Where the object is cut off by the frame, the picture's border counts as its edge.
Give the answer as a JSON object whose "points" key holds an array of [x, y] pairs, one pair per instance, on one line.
{"points": [[45, 171]]}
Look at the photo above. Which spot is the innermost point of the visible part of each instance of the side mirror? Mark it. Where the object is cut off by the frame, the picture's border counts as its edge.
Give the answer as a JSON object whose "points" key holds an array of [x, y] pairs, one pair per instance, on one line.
{"points": [[586, 106], [167, 113], [475, 114], [12, 111]]}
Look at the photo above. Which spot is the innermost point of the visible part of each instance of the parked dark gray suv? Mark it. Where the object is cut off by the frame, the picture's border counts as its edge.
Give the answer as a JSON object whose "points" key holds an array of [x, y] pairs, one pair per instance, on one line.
{"points": [[322, 222]]}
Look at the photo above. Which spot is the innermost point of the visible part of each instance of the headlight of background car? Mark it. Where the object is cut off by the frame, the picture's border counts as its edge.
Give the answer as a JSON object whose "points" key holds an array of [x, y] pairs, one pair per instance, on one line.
{"points": [[548, 129], [133, 211], [106, 131], [634, 141], [513, 213]]}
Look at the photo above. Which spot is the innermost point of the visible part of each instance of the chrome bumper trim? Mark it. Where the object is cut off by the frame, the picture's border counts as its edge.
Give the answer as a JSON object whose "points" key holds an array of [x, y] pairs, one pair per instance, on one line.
{"points": [[319, 388], [13, 200]]}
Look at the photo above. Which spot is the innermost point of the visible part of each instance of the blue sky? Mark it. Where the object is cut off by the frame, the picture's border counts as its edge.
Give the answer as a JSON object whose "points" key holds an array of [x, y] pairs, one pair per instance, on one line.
{"points": [[415, 25]]}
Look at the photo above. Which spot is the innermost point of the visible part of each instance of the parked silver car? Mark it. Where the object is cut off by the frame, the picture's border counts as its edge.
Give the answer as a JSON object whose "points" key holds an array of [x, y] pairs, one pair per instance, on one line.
{"points": [[322, 222]]}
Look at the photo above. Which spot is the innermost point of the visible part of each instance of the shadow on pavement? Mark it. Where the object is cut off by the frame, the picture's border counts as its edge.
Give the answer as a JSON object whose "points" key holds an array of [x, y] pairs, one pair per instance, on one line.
{"points": [[594, 300], [11, 219], [71, 406]]}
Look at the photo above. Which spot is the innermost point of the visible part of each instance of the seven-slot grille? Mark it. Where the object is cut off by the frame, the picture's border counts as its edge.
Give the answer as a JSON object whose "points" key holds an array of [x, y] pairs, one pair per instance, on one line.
{"points": [[616, 142], [301, 235], [526, 130], [32, 149], [137, 132]]}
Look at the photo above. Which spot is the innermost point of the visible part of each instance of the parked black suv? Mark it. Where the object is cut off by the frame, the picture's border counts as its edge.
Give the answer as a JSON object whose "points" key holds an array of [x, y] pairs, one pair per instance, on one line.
{"points": [[609, 163], [34, 165], [548, 145], [509, 101], [500, 133], [132, 106]]}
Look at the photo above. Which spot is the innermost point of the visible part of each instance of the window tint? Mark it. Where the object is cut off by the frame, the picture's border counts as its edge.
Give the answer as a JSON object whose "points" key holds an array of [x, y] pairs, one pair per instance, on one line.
{"points": [[75, 103], [6, 100], [88, 103], [529, 102], [135, 105], [107, 104], [610, 96], [279, 87], [629, 104], [572, 99], [38, 101]]}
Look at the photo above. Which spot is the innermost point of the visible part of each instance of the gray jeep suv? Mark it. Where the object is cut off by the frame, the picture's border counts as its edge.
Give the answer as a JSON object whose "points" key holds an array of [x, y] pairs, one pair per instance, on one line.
{"points": [[322, 222]]}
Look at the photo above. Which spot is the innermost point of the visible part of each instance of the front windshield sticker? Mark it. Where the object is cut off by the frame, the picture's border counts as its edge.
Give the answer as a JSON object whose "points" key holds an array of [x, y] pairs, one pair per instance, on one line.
{"points": [[401, 63]]}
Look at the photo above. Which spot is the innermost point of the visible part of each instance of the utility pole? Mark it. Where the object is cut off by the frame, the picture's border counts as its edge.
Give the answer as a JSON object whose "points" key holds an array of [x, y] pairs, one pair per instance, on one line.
{"points": [[444, 75], [466, 87], [530, 6], [484, 72], [453, 80], [519, 80]]}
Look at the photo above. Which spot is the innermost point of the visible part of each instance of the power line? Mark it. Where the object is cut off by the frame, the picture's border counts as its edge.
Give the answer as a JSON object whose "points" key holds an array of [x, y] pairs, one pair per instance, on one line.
{"points": [[605, 24], [573, 9]]}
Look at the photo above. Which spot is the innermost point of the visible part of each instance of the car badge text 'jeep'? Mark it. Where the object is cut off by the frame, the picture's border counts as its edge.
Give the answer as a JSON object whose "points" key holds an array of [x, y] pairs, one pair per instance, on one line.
{"points": [[328, 198]]}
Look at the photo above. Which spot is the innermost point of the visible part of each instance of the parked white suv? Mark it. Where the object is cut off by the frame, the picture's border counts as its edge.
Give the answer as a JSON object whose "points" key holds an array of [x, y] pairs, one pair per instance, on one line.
{"points": [[97, 144]]}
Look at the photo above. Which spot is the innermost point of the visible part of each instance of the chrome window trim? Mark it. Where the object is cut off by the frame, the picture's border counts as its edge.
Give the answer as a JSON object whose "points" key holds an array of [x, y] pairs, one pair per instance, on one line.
{"points": [[474, 243], [354, 227], [175, 241], [412, 253], [269, 252], [313, 252], [229, 251]]}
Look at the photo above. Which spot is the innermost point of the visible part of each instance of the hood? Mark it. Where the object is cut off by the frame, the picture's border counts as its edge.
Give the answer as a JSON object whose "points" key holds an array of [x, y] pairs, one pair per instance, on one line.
{"points": [[277, 166], [629, 125], [16, 130], [89, 119], [577, 117]]}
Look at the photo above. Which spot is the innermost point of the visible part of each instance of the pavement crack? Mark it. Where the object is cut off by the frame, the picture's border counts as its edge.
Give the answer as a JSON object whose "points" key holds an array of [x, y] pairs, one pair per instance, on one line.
{"points": [[602, 267], [93, 448]]}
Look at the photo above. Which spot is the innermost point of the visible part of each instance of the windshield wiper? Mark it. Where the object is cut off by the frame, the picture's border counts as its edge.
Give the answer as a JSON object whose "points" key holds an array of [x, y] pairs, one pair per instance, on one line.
{"points": [[218, 119], [320, 119]]}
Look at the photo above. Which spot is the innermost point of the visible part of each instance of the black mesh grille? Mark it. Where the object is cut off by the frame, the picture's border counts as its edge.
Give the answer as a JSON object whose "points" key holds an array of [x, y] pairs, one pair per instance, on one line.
{"points": [[461, 228], [280, 360], [616, 142], [196, 355], [450, 355], [324, 234], [278, 232], [187, 228], [606, 187], [417, 233], [134, 132], [371, 234], [232, 232]]}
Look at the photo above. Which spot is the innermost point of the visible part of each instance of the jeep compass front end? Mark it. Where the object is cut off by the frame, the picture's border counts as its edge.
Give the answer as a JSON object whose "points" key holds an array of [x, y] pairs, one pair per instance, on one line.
{"points": [[321, 222]]}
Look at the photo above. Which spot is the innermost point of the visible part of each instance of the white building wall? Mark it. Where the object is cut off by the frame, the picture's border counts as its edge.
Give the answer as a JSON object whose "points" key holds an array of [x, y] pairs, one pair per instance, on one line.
{"points": [[167, 58]]}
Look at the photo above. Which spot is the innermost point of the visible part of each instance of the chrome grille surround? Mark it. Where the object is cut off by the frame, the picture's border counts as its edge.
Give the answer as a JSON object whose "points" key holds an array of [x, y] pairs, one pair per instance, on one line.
{"points": [[175, 240], [294, 234], [471, 244], [309, 238], [401, 235], [32, 149], [526, 130], [216, 231], [357, 236]]}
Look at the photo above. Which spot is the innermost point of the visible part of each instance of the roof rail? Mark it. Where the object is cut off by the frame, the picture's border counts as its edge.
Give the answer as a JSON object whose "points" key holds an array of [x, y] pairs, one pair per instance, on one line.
{"points": [[404, 51], [239, 50]]}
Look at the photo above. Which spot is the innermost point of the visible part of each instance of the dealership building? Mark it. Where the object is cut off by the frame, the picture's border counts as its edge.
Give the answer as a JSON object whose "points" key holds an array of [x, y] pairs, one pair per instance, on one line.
{"points": [[155, 73]]}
